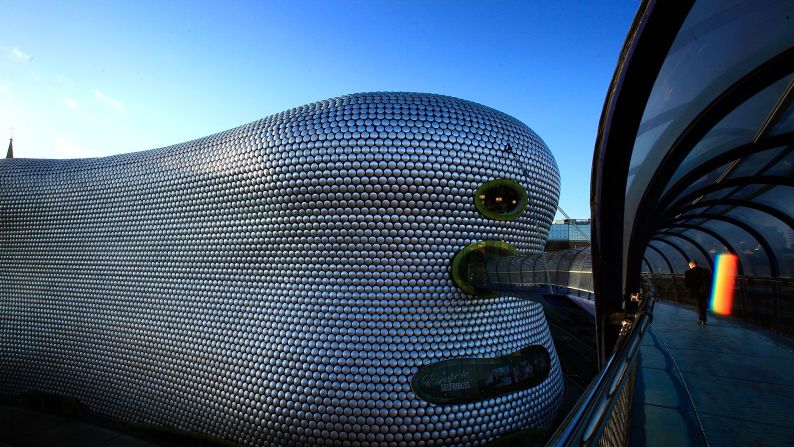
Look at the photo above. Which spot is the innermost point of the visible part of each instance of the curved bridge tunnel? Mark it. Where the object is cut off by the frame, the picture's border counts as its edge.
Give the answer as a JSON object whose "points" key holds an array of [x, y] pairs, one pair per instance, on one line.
{"points": [[694, 161]]}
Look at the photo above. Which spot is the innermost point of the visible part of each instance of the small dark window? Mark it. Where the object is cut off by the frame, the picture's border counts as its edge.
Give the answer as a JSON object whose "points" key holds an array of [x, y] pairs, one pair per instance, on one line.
{"points": [[501, 199]]}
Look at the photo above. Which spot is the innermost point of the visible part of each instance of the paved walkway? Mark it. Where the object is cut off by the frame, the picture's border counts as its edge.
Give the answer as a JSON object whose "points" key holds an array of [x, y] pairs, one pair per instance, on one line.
{"points": [[723, 384]]}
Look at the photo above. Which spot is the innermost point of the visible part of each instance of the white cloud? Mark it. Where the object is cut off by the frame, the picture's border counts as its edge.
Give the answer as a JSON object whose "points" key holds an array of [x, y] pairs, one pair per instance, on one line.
{"points": [[71, 103], [108, 101], [64, 147], [19, 55]]}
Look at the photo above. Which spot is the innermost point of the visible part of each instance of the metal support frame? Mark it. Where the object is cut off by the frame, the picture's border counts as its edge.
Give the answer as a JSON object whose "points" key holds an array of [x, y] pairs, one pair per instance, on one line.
{"points": [[666, 261], [777, 180], [739, 203], [769, 72], [716, 236], [780, 108], [650, 38], [775, 160], [675, 247], [694, 243], [645, 260], [777, 142], [669, 267], [774, 268]]}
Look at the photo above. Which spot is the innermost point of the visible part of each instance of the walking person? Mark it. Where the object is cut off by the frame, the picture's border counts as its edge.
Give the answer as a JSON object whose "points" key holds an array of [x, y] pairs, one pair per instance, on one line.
{"points": [[698, 282]]}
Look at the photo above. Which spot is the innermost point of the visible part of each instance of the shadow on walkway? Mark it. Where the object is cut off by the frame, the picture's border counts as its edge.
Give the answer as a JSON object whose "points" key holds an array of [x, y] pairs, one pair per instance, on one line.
{"points": [[722, 384]]}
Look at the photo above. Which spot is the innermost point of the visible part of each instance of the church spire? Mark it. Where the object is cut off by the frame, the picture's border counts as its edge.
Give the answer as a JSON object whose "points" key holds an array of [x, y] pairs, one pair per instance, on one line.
{"points": [[10, 153]]}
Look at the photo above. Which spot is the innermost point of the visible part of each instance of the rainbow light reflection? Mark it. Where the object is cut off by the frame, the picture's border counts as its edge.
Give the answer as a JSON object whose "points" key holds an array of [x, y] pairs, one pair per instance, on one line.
{"points": [[724, 281]]}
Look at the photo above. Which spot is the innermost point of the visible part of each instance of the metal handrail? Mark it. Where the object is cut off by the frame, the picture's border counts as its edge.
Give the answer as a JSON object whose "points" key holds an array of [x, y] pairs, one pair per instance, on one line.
{"points": [[585, 424]]}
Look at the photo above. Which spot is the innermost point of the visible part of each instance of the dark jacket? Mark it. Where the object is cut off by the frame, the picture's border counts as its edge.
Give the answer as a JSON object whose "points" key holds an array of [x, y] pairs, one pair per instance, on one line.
{"points": [[698, 282]]}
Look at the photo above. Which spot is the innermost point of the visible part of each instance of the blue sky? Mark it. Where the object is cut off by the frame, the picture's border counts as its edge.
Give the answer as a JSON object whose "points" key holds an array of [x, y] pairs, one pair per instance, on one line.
{"points": [[84, 78]]}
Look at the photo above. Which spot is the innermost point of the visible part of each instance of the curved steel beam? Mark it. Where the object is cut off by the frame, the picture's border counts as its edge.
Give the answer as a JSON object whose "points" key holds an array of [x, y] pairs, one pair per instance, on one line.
{"points": [[778, 111], [695, 244], [666, 261], [769, 143], [775, 180], [649, 40], [773, 264], [774, 269], [774, 212], [675, 247], [761, 77], [568, 257], [716, 236], [647, 264], [591, 256]]}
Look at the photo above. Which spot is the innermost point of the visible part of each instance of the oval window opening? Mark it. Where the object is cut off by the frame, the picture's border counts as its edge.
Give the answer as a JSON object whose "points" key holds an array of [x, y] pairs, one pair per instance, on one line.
{"points": [[501, 199], [468, 265]]}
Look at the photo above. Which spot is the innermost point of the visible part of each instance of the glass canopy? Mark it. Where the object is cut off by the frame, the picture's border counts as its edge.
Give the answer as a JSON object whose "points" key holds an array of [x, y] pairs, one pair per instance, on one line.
{"points": [[723, 49], [699, 122]]}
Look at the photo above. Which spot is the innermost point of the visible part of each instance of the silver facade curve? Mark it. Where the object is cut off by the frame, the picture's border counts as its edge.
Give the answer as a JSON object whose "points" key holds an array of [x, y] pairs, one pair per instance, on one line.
{"points": [[278, 283]]}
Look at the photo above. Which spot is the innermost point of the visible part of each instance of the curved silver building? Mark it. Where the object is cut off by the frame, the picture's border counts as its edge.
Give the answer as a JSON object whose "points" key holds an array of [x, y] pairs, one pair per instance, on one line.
{"points": [[280, 283]]}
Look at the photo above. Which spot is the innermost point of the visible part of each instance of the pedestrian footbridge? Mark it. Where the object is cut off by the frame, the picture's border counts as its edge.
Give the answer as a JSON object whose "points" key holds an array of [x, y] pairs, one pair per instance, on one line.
{"points": [[726, 383], [695, 160]]}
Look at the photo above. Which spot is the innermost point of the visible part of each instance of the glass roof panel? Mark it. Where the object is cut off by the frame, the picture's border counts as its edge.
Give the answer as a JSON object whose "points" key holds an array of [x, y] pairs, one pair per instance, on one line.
{"points": [[785, 123], [656, 261], [561, 262], [737, 128], [696, 221], [779, 197], [750, 252], [679, 262], [785, 168], [691, 251], [579, 261], [779, 236], [712, 246], [719, 42], [746, 192], [705, 180], [587, 255], [642, 145], [716, 209], [753, 163]]}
